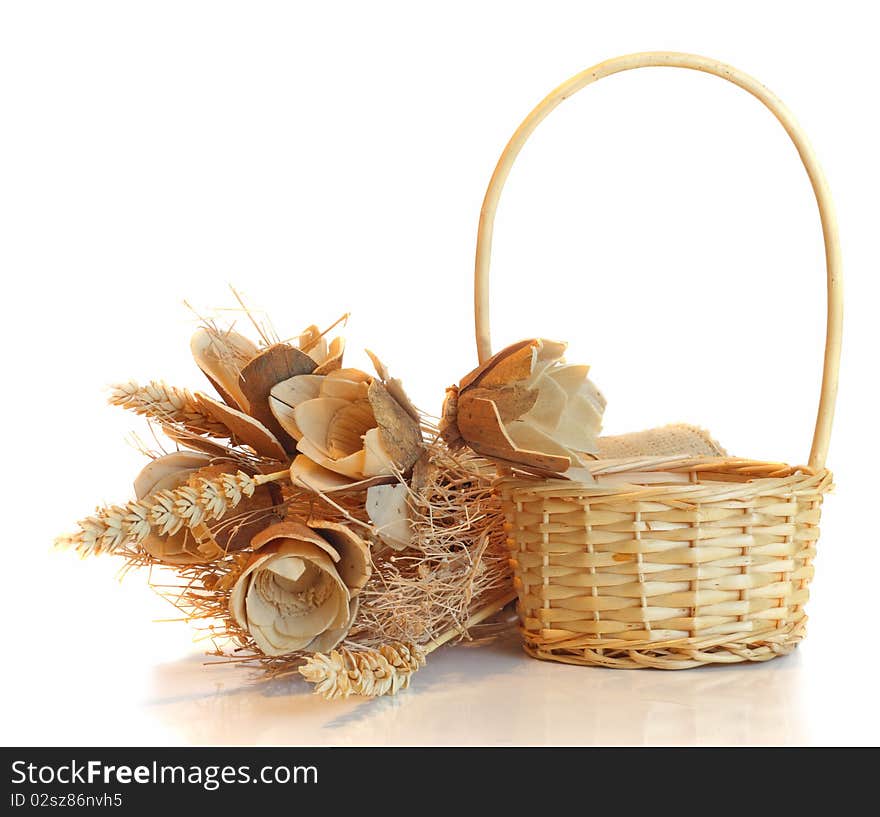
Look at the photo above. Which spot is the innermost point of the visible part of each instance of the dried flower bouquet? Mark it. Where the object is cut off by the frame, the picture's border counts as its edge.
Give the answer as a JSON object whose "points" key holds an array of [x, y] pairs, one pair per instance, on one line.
{"points": [[317, 523], [310, 515]]}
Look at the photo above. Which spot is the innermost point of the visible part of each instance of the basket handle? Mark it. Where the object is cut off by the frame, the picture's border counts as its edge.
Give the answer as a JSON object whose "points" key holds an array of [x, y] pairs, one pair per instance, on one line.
{"points": [[834, 322]]}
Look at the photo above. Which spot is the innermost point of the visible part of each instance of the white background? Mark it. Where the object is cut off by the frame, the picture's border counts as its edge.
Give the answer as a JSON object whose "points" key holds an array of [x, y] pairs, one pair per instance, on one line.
{"points": [[332, 157]]}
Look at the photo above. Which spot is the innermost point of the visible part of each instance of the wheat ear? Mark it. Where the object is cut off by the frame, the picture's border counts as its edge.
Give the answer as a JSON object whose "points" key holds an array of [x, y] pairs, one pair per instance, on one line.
{"points": [[371, 673], [114, 526], [167, 404]]}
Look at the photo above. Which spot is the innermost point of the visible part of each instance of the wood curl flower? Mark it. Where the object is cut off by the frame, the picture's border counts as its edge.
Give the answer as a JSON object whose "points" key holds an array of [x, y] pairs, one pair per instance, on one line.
{"points": [[300, 589]]}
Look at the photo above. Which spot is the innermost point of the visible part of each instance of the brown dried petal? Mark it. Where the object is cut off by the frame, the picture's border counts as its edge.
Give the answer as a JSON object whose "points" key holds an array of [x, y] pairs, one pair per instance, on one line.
{"points": [[482, 428], [272, 366], [244, 429], [512, 402], [400, 434], [512, 363]]}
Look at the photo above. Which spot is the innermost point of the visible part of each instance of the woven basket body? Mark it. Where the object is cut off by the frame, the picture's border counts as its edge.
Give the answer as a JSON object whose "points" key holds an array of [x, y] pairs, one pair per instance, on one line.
{"points": [[668, 562], [663, 563]]}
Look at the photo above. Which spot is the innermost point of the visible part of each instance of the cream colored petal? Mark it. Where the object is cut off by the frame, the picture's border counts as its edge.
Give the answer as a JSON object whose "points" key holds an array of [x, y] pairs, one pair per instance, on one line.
{"points": [[260, 612], [347, 428], [546, 355], [377, 461], [550, 349], [576, 437], [168, 470], [221, 356], [317, 554], [305, 471], [271, 642], [345, 389], [288, 567], [355, 565], [581, 420], [236, 600], [569, 377], [288, 394], [389, 511], [282, 534], [349, 374], [550, 405], [297, 389], [351, 466], [528, 438], [589, 391], [314, 417], [284, 414], [331, 639]]}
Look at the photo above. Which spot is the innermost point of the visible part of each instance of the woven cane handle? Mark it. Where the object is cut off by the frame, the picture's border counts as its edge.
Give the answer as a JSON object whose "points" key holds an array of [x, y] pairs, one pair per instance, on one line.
{"points": [[834, 323]]}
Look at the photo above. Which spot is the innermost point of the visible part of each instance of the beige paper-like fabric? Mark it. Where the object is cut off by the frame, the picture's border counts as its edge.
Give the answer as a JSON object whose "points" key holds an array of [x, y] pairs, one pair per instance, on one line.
{"points": [[670, 440]]}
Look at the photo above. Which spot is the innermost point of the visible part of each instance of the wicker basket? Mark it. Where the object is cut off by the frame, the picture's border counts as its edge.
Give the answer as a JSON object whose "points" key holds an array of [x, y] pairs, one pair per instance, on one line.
{"points": [[668, 562]]}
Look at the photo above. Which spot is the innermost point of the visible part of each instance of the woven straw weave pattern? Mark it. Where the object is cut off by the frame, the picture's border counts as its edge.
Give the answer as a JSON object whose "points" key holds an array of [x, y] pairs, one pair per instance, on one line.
{"points": [[664, 562]]}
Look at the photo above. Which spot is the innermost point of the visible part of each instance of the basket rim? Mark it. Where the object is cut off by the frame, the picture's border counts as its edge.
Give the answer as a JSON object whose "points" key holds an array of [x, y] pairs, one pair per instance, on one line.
{"points": [[684, 478]]}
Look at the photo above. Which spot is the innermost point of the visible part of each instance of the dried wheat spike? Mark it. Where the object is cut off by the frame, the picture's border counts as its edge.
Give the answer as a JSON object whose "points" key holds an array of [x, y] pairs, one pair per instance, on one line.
{"points": [[370, 673], [167, 404], [114, 526]]}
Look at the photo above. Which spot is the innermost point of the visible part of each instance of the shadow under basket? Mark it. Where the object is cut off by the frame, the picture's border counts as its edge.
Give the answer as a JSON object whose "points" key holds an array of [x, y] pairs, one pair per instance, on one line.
{"points": [[665, 563]]}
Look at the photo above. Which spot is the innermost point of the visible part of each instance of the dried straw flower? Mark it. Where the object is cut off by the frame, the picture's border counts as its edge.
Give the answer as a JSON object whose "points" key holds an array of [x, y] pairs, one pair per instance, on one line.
{"points": [[239, 369], [299, 590], [525, 407], [350, 429]]}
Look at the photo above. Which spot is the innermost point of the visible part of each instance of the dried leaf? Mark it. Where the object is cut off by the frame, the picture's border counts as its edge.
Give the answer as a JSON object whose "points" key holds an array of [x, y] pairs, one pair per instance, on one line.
{"points": [[400, 434], [245, 430], [257, 379]]}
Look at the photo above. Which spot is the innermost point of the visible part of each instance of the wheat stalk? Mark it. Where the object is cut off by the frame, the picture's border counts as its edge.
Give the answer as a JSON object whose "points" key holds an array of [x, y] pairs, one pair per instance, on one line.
{"points": [[112, 527], [167, 404], [370, 673], [383, 671]]}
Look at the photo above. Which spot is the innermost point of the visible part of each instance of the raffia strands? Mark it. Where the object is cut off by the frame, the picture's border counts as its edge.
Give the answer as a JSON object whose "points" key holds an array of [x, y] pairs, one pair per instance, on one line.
{"points": [[369, 673], [458, 559], [115, 527], [167, 404]]}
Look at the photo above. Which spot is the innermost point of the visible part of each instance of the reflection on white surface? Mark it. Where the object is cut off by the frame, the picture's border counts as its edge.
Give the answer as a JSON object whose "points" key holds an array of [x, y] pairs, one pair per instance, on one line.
{"points": [[493, 694], [114, 677]]}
